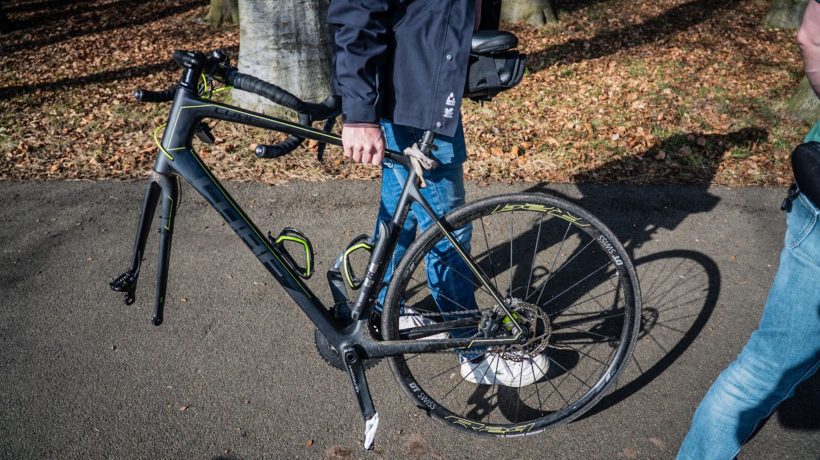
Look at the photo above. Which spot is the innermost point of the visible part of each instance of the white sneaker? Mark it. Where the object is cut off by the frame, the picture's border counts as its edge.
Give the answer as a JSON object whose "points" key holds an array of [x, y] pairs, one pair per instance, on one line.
{"points": [[492, 369], [411, 318]]}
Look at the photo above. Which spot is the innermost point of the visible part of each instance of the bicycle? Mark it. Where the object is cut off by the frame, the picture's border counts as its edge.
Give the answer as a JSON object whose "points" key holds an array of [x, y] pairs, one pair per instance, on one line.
{"points": [[571, 297]]}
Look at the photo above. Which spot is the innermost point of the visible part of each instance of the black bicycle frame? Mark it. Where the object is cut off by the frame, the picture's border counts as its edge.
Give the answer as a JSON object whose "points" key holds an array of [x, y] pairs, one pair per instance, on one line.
{"points": [[178, 158], [352, 338]]}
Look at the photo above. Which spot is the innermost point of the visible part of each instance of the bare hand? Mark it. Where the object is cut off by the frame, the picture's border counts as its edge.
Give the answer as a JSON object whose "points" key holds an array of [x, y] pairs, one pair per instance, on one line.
{"points": [[363, 144]]}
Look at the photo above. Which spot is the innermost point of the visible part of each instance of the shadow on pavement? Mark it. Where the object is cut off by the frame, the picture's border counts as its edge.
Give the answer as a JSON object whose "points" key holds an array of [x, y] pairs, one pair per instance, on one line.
{"points": [[800, 411], [680, 287]]}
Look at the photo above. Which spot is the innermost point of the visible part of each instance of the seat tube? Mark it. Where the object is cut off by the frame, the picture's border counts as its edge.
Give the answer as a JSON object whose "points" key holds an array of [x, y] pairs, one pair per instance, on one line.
{"points": [[384, 248]]}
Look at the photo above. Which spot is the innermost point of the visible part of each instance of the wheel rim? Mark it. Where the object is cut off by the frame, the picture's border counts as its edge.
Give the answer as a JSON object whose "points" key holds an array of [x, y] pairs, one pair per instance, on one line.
{"points": [[590, 307]]}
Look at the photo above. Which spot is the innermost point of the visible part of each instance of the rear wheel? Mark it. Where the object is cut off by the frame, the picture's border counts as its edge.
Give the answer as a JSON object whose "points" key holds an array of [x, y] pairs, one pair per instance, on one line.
{"points": [[567, 281]]}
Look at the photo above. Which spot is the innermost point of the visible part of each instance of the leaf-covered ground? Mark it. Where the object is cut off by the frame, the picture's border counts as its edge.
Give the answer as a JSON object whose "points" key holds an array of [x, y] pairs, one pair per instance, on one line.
{"points": [[667, 91]]}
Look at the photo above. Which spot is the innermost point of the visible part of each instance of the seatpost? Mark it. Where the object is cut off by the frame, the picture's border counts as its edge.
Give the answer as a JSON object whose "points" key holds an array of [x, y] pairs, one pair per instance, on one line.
{"points": [[426, 145]]}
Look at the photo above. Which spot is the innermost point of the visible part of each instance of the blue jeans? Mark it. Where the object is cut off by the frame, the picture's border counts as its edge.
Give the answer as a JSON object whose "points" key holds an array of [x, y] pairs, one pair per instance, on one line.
{"points": [[781, 353], [445, 269]]}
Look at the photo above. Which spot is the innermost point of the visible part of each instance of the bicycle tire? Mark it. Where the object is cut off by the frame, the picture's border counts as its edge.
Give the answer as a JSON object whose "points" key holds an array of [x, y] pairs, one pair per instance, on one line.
{"points": [[580, 230]]}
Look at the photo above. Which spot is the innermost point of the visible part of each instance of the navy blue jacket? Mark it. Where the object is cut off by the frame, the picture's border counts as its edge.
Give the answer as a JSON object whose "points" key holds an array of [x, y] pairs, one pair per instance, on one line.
{"points": [[404, 60]]}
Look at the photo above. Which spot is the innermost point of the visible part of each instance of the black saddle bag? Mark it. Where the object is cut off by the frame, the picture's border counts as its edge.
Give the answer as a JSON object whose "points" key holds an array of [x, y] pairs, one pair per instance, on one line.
{"points": [[494, 64], [489, 75], [806, 168]]}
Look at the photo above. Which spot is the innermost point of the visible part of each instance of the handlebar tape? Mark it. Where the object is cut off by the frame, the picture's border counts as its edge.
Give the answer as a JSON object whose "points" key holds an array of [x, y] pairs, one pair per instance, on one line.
{"points": [[145, 95], [270, 91], [281, 149], [330, 107], [285, 147]]}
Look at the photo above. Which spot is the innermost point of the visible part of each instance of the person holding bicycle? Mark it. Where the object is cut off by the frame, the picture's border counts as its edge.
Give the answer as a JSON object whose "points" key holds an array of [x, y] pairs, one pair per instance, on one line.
{"points": [[401, 68], [785, 349]]}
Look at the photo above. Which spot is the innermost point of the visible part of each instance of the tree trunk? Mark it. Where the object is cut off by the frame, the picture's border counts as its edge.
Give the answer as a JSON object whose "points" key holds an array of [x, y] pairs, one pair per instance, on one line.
{"points": [[785, 14], [287, 43], [534, 12], [223, 12], [804, 105]]}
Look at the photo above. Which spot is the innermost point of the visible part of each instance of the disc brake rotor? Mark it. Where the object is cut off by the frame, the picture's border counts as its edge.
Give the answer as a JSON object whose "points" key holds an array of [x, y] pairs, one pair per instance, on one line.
{"points": [[537, 324]]}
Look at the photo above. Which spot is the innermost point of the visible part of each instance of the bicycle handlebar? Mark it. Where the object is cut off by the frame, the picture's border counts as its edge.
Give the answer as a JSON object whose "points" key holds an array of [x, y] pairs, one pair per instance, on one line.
{"points": [[308, 112], [145, 95], [217, 65]]}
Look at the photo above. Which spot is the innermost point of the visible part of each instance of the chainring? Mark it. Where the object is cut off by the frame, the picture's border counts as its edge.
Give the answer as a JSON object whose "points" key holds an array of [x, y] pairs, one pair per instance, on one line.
{"points": [[331, 356], [329, 353]]}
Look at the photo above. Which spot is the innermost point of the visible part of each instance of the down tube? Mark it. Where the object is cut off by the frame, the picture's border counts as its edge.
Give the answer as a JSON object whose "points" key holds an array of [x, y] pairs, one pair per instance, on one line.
{"points": [[188, 165]]}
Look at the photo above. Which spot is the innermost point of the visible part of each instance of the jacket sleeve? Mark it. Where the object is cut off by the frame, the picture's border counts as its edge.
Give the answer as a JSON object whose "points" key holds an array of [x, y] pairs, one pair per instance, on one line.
{"points": [[360, 56]]}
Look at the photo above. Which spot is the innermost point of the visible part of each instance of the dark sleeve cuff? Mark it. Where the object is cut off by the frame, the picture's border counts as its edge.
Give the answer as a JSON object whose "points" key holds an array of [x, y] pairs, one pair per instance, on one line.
{"points": [[356, 112]]}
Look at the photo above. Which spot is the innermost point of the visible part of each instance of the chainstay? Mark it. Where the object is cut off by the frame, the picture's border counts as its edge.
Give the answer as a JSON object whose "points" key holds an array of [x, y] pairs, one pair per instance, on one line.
{"points": [[432, 314], [465, 313]]}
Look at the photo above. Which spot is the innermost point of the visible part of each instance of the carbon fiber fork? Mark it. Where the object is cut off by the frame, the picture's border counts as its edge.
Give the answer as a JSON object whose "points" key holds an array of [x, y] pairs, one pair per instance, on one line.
{"points": [[166, 188]]}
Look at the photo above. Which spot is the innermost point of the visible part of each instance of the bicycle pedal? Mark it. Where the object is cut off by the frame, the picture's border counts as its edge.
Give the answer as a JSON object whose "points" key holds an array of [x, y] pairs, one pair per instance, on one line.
{"points": [[127, 284], [294, 236], [370, 427]]}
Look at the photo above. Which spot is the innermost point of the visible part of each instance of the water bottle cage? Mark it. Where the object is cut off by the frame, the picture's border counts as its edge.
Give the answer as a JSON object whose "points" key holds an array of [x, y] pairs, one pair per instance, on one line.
{"points": [[360, 242], [292, 235]]}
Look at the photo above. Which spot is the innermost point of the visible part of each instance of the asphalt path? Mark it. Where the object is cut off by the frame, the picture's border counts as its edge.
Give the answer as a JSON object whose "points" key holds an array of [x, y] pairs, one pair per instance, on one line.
{"points": [[232, 373]]}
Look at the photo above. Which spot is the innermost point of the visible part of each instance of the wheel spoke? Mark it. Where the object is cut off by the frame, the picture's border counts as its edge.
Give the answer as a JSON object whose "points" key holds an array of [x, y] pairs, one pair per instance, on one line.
{"points": [[578, 291], [534, 254], [461, 307], [489, 253], [563, 266], [576, 283], [512, 221], [575, 322], [470, 280], [591, 299], [590, 333]]}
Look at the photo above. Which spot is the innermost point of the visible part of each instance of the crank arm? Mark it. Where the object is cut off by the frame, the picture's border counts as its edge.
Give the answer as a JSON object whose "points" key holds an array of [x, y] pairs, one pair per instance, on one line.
{"points": [[355, 369]]}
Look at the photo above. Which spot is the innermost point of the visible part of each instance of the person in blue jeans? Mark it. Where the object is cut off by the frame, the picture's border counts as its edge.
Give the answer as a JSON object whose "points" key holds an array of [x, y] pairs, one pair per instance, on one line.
{"points": [[401, 68], [444, 191], [785, 349]]}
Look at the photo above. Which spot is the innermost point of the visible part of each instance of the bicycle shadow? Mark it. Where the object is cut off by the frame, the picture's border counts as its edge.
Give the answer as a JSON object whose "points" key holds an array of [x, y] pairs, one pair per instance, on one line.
{"points": [[680, 287]]}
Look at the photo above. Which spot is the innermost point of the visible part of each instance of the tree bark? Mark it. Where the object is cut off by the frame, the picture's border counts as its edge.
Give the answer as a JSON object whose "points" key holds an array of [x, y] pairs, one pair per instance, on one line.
{"points": [[804, 105], [785, 14], [534, 12], [287, 43], [223, 12]]}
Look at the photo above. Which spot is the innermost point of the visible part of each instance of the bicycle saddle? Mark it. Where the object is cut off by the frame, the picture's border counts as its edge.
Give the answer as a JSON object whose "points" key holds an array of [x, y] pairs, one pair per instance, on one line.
{"points": [[492, 41]]}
